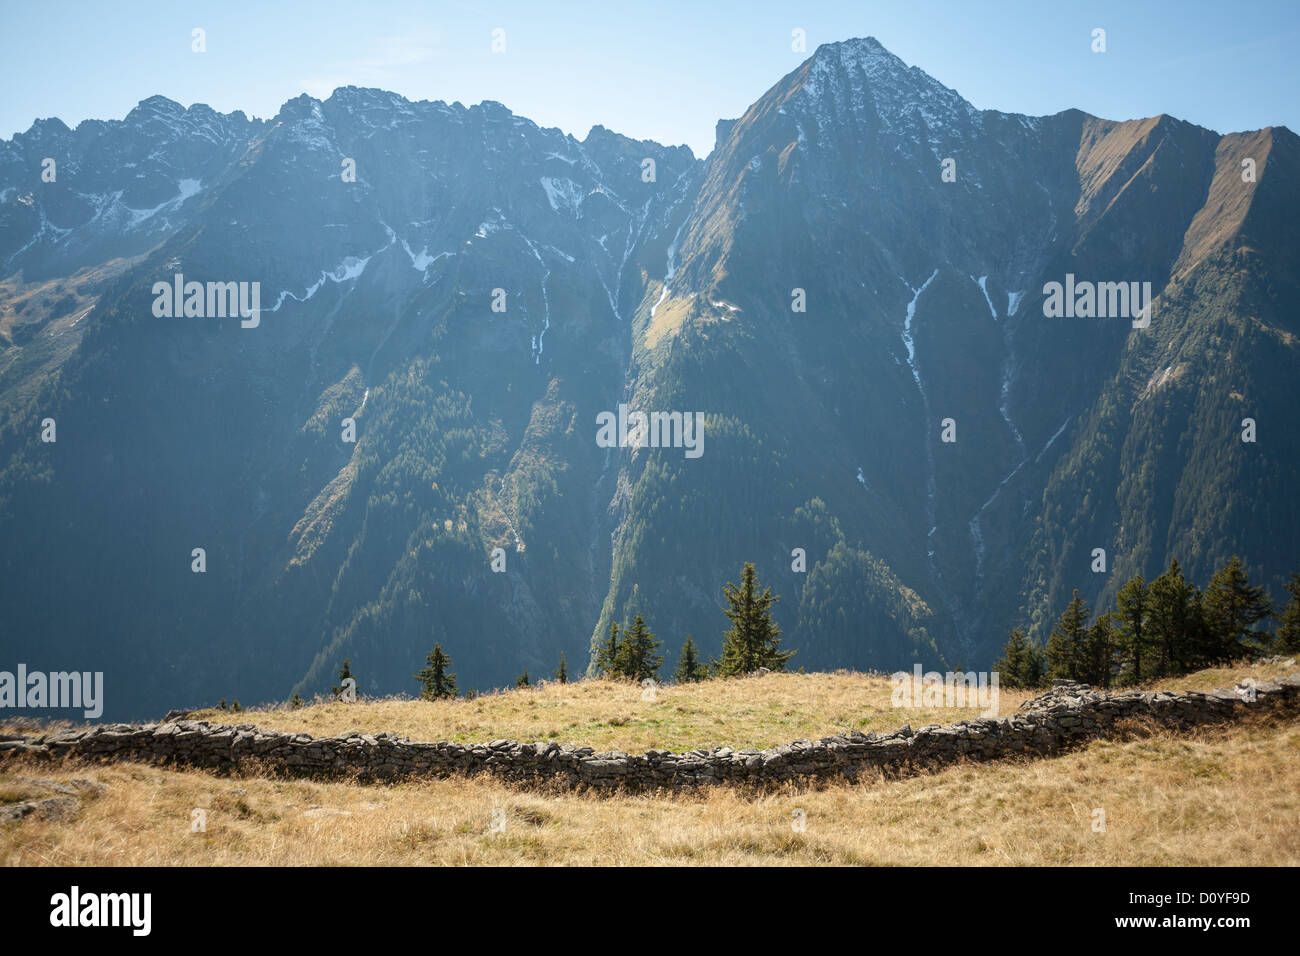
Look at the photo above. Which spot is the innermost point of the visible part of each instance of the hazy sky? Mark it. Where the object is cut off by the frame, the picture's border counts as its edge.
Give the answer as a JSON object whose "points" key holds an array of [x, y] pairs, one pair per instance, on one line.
{"points": [[664, 70]]}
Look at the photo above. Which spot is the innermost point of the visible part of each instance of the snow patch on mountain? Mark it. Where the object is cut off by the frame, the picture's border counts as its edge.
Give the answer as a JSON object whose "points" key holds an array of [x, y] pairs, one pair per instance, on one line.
{"points": [[349, 269], [564, 195], [539, 340], [931, 479], [983, 282], [422, 260], [908, 341], [672, 268], [185, 188]]}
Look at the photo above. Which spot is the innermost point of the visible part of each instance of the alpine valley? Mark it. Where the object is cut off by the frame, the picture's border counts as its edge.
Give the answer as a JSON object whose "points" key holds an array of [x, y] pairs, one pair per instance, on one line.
{"points": [[861, 257]]}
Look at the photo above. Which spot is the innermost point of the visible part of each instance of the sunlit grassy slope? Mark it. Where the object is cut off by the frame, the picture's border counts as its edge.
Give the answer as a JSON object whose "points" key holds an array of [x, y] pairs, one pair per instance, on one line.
{"points": [[1228, 796], [1221, 796], [749, 712]]}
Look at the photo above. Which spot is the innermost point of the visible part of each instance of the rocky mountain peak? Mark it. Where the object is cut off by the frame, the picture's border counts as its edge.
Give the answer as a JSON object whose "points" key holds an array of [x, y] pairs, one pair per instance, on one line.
{"points": [[860, 78], [153, 106]]}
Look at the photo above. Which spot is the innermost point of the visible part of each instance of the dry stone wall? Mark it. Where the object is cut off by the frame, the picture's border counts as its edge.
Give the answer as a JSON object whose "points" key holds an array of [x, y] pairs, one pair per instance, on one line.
{"points": [[1065, 717]]}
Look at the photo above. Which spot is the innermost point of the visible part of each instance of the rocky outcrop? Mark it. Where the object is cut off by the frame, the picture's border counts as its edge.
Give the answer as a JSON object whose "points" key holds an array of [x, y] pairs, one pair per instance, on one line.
{"points": [[59, 807], [1065, 717]]}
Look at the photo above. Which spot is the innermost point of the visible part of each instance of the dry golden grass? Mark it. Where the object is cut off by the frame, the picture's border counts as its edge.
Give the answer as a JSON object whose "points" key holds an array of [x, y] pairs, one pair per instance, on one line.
{"points": [[1225, 796], [18, 791], [1225, 676], [607, 715], [747, 712]]}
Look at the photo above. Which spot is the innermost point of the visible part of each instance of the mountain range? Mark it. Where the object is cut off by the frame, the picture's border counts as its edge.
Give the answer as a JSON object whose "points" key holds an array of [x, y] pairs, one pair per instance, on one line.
{"points": [[849, 289]]}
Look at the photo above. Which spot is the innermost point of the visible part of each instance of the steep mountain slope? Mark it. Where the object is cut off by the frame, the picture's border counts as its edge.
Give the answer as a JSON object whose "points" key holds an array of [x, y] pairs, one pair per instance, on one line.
{"points": [[377, 298], [1159, 468], [861, 257], [924, 303]]}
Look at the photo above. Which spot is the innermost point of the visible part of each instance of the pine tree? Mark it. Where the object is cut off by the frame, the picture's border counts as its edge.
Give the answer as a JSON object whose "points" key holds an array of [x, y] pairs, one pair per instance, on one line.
{"points": [[1200, 644], [562, 672], [689, 667], [522, 680], [607, 655], [1067, 645], [1232, 607], [1131, 624], [1099, 651], [754, 639], [1021, 664], [1287, 638], [637, 658], [295, 701], [344, 673], [435, 679], [1172, 621]]}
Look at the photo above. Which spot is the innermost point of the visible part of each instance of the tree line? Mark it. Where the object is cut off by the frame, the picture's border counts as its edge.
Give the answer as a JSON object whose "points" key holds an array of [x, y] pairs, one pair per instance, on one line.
{"points": [[1159, 629], [630, 652], [1162, 628]]}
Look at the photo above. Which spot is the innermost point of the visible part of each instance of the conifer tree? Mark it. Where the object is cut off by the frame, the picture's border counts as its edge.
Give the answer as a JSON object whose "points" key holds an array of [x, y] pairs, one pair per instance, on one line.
{"points": [[435, 679], [562, 672], [522, 679], [1199, 642], [1131, 635], [1067, 644], [1099, 651], [607, 655], [754, 639], [1172, 620], [1232, 607], [1287, 638], [1021, 664], [637, 658], [689, 667], [344, 673]]}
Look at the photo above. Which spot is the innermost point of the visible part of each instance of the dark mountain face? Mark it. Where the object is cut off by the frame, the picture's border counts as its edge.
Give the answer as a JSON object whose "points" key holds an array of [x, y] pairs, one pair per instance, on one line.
{"points": [[485, 289], [924, 303]]}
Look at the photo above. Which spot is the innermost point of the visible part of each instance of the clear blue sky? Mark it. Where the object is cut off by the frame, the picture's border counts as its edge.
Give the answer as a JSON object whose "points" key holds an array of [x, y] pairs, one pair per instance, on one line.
{"points": [[664, 70]]}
